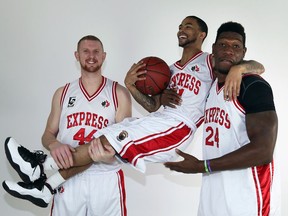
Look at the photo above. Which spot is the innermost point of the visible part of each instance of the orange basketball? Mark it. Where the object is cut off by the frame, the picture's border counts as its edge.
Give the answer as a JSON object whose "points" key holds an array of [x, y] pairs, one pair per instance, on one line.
{"points": [[157, 76]]}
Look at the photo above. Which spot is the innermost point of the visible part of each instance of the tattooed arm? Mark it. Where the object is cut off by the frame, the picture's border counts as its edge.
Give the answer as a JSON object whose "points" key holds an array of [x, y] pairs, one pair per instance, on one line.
{"points": [[234, 77], [150, 103]]}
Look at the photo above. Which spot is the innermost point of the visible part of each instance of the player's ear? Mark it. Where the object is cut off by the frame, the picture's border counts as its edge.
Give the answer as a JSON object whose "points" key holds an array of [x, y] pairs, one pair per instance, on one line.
{"points": [[244, 51], [76, 54], [104, 56], [202, 35]]}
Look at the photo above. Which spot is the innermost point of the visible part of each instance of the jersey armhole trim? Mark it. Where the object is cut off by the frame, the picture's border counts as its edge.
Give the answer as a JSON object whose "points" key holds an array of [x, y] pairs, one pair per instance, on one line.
{"points": [[63, 95]]}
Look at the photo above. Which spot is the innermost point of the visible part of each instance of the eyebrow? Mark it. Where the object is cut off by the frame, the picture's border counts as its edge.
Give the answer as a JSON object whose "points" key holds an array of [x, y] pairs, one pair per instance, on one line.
{"points": [[186, 24]]}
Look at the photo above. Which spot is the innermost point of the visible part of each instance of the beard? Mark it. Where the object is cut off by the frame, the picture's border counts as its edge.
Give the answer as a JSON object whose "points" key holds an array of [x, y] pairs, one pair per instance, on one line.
{"points": [[223, 71], [187, 42], [91, 69], [223, 67]]}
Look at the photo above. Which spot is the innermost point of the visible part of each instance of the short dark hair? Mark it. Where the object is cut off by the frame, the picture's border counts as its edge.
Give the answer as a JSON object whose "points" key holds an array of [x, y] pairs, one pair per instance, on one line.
{"points": [[232, 27], [90, 37], [203, 26]]}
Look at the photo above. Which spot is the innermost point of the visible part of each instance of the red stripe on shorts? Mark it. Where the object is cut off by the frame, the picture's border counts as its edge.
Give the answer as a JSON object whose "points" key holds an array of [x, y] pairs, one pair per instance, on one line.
{"points": [[156, 143]]}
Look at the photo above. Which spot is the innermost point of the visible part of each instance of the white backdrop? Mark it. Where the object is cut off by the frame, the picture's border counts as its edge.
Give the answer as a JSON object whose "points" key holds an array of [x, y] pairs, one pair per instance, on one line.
{"points": [[37, 42]]}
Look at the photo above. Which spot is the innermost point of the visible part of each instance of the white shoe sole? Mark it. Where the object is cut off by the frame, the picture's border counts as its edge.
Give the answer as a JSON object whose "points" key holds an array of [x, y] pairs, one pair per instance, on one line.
{"points": [[26, 195], [11, 145]]}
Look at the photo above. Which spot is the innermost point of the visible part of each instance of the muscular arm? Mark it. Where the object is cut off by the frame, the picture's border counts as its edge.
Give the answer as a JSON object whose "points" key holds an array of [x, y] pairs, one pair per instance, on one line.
{"points": [[61, 153], [150, 103], [262, 132], [52, 125]]}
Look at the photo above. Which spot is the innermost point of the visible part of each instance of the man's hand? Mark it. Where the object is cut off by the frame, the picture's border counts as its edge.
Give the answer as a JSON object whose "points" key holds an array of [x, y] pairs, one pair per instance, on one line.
{"points": [[62, 154], [169, 97], [232, 83], [100, 153], [134, 75], [190, 164]]}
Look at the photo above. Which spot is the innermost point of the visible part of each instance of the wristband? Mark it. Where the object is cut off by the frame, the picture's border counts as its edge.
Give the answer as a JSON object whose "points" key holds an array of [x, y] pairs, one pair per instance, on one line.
{"points": [[208, 166], [205, 166]]}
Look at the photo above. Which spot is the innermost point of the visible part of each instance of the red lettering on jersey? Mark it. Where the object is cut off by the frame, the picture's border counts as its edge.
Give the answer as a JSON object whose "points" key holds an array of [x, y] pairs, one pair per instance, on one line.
{"points": [[227, 121], [82, 118], [75, 116], [197, 87], [86, 119], [218, 116], [94, 120], [221, 121], [69, 123], [186, 81], [100, 122]]}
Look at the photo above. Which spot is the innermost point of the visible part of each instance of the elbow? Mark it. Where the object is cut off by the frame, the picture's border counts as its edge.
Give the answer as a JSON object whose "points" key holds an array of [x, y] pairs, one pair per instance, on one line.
{"points": [[267, 160], [266, 157], [151, 109]]}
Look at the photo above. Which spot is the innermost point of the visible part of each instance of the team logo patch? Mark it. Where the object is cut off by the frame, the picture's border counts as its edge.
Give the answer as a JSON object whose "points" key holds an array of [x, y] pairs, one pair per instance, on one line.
{"points": [[72, 101], [122, 135], [195, 68], [61, 189], [105, 103]]}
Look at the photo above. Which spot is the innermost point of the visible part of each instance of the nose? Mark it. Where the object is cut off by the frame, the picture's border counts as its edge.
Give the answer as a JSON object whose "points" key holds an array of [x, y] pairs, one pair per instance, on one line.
{"points": [[180, 30], [91, 55], [228, 49]]}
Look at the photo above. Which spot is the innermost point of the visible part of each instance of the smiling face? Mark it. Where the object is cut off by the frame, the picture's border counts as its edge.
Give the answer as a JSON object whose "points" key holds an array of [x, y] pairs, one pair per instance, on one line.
{"points": [[228, 50], [91, 55], [189, 32]]}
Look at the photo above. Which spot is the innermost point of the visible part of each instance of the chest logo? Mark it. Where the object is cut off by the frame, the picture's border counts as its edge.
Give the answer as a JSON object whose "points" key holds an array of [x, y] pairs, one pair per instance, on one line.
{"points": [[195, 68], [105, 103], [72, 101]]}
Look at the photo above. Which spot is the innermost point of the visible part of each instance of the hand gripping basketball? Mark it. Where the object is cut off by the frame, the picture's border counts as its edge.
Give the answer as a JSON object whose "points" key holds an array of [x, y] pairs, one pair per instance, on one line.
{"points": [[157, 77]]}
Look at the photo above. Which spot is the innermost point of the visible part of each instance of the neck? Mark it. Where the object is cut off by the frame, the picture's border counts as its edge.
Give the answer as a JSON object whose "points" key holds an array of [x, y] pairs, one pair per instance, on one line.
{"points": [[188, 53], [221, 77], [91, 79]]}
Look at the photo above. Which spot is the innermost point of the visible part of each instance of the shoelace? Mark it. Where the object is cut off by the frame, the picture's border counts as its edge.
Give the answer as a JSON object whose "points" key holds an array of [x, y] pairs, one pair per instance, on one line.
{"points": [[39, 184], [35, 158]]}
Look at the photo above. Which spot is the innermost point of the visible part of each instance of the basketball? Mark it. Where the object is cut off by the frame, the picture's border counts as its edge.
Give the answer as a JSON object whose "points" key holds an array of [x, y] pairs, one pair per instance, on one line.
{"points": [[157, 76]]}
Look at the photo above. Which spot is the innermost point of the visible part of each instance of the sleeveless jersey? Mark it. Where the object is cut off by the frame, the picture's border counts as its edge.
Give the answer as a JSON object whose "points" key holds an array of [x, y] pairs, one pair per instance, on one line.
{"points": [[153, 138], [83, 115], [192, 81], [233, 192]]}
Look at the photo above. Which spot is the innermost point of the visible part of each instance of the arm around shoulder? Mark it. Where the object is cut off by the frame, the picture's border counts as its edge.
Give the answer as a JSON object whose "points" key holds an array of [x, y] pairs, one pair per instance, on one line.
{"points": [[234, 77]]}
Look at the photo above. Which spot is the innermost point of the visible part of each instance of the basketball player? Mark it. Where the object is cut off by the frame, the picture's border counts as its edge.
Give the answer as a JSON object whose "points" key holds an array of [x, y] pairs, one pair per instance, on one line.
{"points": [[238, 139], [152, 138], [79, 110]]}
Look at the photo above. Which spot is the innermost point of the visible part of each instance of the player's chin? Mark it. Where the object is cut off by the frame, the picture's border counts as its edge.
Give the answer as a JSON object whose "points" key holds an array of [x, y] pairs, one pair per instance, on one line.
{"points": [[224, 68]]}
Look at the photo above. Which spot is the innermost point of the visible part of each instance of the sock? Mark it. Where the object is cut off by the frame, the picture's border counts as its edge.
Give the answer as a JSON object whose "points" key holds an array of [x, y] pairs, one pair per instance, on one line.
{"points": [[50, 164], [55, 180]]}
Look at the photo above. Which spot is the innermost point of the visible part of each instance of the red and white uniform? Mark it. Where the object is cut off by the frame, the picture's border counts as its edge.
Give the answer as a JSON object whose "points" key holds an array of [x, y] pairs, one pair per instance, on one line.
{"points": [[153, 138], [245, 192], [100, 189]]}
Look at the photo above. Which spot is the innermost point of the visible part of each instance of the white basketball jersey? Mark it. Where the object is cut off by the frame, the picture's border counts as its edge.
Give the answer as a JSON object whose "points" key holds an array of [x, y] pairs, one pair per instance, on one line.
{"points": [[83, 115], [232, 192], [192, 81]]}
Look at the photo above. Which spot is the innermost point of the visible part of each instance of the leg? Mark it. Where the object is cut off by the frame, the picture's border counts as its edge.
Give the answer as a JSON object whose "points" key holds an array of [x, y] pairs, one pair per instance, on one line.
{"points": [[67, 173], [152, 138], [81, 156], [81, 159]]}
